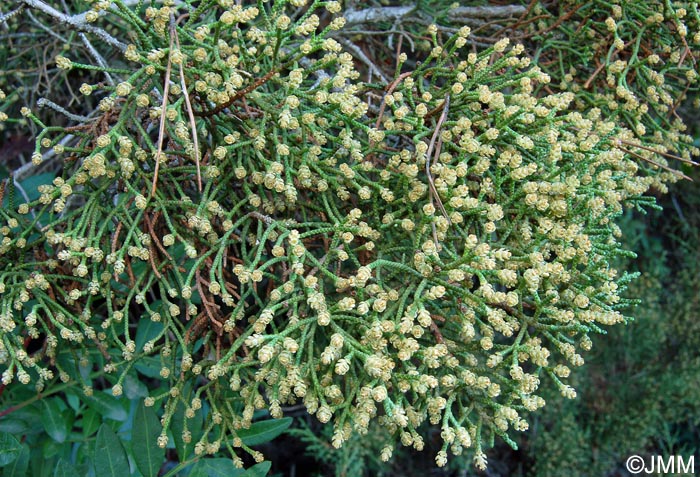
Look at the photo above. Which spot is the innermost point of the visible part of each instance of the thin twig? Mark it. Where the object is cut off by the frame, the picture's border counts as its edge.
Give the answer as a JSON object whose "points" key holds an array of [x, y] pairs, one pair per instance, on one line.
{"points": [[459, 14], [265, 218], [588, 82], [436, 157], [151, 231], [151, 259], [485, 12], [190, 111], [391, 32], [46, 29], [207, 303], [78, 22], [638, 156], [436, 133], [46, 103], [320, 75], [376, 14], [9, 15], [164, 107], [98, 58], [322, 260], [671, 156], [242, 93], [436, 331], [390, 90], [361, 55]]}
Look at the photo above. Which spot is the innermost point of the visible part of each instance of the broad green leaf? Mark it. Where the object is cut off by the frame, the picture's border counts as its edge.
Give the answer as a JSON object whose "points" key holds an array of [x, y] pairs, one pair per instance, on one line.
{"points": [[149, 366], [10, 448], [19, 466], [13, 426], [91, 421], [144, 446], [31, 184], [69, 364], [56, 422], [39, 464], [177, 427], [64, 469], [83, 458], [147, 329], [133, 387], [51, 448], [264, 431], [110, 458], [73, 401], [107, 405], [215, 467], [258, 470]]}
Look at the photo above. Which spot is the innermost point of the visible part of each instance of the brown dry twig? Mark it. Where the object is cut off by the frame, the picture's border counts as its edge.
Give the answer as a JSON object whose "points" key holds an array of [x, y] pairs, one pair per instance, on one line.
{"points": [[164, 107], [671, 156], [190, 111], [666, 168], [240, 94], [433, 191]]}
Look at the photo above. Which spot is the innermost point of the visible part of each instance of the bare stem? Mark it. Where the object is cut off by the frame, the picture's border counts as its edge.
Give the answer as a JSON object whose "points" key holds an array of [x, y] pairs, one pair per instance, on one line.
{"points": [[76, 21], [459, 14]]}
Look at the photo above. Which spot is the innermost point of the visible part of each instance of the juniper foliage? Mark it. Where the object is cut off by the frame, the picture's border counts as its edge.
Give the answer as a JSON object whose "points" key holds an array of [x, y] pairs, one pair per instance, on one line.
{"points": [[413, 237]]}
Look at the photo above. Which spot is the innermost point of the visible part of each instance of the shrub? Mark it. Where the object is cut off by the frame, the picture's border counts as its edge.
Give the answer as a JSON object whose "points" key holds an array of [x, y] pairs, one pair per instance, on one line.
{"points": [[423, 248], [640, 393]]}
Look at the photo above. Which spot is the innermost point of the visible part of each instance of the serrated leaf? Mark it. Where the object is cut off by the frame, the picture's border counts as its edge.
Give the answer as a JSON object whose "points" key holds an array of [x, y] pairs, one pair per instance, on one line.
{"points": [[19, 466], [107, 405], [64, 469], [258, 470], [55, 421], [110, 458], [264, 431], [10, 448], [144, 447], [215, 467]]}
